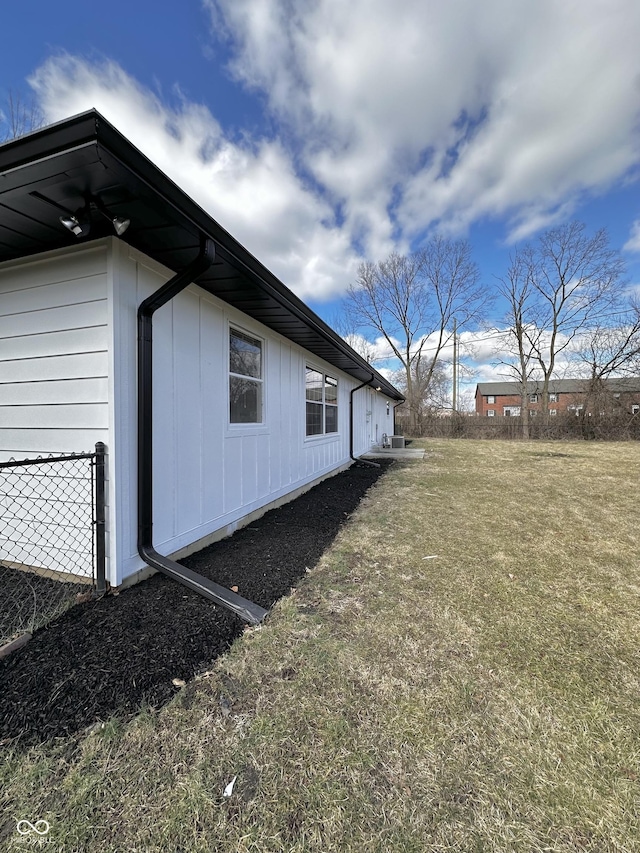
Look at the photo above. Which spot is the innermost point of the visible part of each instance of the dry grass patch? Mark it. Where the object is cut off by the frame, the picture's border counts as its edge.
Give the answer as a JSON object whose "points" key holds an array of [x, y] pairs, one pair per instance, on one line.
{"points": [[460, 673]]}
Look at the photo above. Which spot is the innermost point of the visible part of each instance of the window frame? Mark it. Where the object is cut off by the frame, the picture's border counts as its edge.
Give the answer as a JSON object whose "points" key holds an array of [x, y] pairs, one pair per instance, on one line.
{"points": [[323, 403], [491, 399], [258, 380]]}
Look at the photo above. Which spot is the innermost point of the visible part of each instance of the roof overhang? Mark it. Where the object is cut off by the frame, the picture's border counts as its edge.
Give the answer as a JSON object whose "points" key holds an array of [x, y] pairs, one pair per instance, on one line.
{"points": [[62, 165]]}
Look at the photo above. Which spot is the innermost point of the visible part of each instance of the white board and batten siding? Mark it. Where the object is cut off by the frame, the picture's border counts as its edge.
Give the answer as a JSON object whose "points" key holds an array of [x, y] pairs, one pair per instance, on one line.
{"points": [[210, 474], [68, 331], [54, 341]]}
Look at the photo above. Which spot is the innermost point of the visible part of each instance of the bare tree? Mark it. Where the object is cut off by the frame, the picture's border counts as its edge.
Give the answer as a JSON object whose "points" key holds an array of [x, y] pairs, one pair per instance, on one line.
{"points": [[21, 115], [522, 337], [558, 289], [411, 301], [344, 326]]}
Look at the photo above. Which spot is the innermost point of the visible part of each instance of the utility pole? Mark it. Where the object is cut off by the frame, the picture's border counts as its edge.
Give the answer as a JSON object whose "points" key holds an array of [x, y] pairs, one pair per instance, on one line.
{"points": [[455, 367]]}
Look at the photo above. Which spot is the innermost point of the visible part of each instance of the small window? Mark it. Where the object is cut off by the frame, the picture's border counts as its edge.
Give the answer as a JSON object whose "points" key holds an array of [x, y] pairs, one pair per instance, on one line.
{"points": [[553, 412], [635, 409], [491, 398], [553, 398], [321, 402], [491, 413], [245, 378], [512, 411], [533, 398]]}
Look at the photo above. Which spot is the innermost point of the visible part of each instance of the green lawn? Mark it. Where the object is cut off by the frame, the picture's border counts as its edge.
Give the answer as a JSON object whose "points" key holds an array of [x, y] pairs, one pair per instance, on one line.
{"points": [[460, 673]]}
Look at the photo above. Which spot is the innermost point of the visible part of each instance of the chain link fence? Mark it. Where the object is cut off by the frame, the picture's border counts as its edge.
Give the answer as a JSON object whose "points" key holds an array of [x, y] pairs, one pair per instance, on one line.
{"points": [[52, 537]]}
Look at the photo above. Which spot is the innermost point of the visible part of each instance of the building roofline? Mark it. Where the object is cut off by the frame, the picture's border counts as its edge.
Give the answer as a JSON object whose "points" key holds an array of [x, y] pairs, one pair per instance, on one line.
{"points": [[74, 157]]}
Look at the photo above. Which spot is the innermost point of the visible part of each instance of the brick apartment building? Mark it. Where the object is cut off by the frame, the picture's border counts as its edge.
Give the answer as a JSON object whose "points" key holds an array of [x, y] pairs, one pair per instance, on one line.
{"points": [[504, 399]]}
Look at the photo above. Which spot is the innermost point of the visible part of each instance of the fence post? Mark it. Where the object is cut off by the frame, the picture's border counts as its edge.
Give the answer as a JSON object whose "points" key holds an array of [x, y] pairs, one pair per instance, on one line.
{"points": [[100, 519]]}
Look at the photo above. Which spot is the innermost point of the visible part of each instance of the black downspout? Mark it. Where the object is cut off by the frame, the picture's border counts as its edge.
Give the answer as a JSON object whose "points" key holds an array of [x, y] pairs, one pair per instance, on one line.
{"points": [[247, 610], [364, 461]]}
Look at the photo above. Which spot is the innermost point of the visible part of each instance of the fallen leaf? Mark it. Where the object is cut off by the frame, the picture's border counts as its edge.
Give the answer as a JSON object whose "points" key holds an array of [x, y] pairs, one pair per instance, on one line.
{"points": [[234, 589], [178, 682]]}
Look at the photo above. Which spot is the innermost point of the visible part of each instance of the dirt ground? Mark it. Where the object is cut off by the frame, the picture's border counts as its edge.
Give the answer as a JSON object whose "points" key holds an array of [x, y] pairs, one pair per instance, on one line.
{"points": [[109, 657]]}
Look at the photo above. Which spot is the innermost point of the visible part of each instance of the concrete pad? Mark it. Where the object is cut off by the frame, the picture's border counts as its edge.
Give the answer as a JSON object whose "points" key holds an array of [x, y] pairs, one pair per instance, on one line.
{"points": [[394, 453]]}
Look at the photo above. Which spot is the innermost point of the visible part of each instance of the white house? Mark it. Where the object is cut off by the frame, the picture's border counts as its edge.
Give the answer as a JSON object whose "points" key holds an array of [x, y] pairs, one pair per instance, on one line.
{"points": [[217, 392]]}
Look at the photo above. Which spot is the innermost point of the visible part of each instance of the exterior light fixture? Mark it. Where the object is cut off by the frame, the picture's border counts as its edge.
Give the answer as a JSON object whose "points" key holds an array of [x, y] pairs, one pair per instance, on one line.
{"points": [[79, 223], [120, 223]]}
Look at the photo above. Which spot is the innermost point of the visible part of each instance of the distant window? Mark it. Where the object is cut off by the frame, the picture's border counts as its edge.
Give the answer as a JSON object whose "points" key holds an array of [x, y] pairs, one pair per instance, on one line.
{"points": [[512, 411], [321, 393], [245, 378], [553, 412], [491, 398], [491, 413], [576, 409], [553, 398], [533, 398], [635, 409]]}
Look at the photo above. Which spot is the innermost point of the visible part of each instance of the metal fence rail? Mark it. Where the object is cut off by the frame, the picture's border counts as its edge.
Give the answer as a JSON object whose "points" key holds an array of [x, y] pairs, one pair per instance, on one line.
{"points": [[52, 537]]}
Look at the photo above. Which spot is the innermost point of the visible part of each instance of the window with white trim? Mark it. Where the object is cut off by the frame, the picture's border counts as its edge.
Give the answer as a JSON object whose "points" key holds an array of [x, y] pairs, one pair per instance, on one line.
{"points": [[491, 398], [321, 393], [553, 412], [533, 398], [491, 413], [512, 411], [553, 398], [245, 378], [635, 409]]}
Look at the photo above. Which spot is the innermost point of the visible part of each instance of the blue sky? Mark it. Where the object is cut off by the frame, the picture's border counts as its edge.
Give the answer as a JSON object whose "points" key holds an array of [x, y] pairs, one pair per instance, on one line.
{"points": [[321, 133]]}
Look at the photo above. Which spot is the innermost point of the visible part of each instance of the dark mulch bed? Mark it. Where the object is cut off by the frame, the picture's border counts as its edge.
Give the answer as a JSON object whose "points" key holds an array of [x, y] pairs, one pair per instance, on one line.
{"points": [[111, 656]]}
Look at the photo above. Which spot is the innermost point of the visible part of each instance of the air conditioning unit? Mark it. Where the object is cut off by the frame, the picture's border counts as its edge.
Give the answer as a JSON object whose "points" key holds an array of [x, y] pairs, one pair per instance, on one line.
{"points": [[397, 441]]}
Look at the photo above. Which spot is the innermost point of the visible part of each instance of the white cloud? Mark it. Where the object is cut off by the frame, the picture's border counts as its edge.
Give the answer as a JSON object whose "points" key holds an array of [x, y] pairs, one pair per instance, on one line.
{"points": [[251, 189], [443, 113], [400, 118], [633, 243]]}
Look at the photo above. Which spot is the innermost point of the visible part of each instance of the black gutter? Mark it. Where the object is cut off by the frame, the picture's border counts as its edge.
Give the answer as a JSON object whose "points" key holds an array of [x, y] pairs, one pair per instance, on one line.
{"points": [[247, 610], [357, 388]]}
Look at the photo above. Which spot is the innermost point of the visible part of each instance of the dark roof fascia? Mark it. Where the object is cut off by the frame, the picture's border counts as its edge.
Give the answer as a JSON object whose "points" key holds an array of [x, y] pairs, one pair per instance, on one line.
{"points": [[90, 129]]}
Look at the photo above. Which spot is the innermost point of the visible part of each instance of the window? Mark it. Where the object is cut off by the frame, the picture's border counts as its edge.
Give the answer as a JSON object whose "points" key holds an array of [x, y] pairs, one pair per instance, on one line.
{"points": [[245, 378], [575, 409], [322, 402], [512, 411], [553, 412], [491, 398], [553, 398], [491, 413], [635, 409], [533, 398]]}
